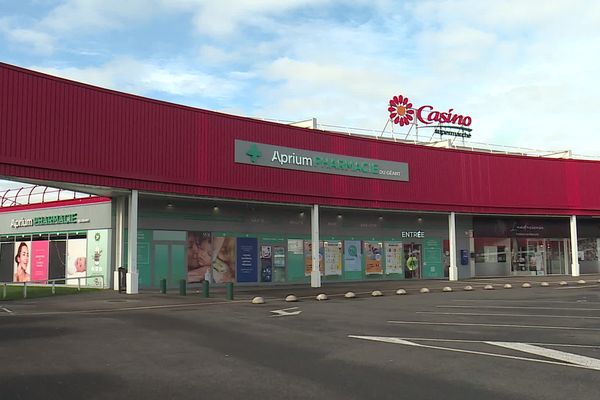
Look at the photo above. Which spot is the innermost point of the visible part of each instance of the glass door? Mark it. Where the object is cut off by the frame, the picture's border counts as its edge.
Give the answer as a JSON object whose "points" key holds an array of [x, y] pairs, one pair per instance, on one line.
{"points": [[557, 251]]}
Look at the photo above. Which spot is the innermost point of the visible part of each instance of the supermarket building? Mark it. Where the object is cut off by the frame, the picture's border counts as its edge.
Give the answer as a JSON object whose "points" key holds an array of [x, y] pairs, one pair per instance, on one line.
{"points": [[209, 196]]}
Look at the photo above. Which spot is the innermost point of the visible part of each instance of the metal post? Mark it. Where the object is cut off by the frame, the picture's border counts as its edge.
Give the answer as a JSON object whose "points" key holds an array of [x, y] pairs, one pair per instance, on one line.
{"points": [[315, 275], [574, 247], [24, 290], [119, 222], [163, 286], [453, 271], [205, 288], [182, 287], [229, 290], [79, 284], [4, 291], [53, 287], [132, 274]]}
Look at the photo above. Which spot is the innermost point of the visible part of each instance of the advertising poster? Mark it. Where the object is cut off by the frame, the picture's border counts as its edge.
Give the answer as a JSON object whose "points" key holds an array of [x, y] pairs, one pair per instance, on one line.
{"points": [[333, 259], [39, 260], [22, 263], [308, 257], [295, 246], [373, 258], [199, 256], [247, 260], [223, 259], [97, 256], [279, 257], [352, 255], [266, 270], [7, 262], [393, 258], [432, 259], [76, 261]]}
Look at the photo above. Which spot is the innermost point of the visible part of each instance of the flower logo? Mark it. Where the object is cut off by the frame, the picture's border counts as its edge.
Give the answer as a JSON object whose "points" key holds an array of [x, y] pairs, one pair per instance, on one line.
{"points": [[401, 111]]}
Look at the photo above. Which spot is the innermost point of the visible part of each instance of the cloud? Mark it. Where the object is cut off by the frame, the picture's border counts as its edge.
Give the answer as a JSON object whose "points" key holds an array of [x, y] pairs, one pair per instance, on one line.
{"points": [[149, 78], [32, 40]]}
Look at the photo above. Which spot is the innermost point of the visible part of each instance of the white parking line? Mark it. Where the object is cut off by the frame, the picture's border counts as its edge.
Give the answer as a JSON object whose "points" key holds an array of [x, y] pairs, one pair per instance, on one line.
{"points": [[576, 287], [6, 310], [588, 362], [524, 307], [494, 325], [526, 301], [507, 315], [394, 340], [420, 339]]}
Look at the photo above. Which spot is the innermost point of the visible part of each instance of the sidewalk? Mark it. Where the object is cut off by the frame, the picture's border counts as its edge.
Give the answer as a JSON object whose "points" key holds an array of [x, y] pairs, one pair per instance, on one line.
{"points": [[109, 300]]}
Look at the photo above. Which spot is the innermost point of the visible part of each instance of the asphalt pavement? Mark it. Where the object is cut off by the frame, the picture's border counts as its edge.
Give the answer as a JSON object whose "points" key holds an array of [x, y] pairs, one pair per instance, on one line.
{"points": [[518, 343]]}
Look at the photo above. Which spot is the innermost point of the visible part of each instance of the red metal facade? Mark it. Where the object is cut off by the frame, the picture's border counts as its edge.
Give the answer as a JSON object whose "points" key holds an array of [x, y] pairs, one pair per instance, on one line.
{"points": [[58, 130]]}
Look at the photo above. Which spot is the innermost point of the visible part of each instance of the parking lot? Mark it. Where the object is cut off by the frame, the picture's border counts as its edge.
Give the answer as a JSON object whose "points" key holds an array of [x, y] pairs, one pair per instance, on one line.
{"points": [[537, 343]]}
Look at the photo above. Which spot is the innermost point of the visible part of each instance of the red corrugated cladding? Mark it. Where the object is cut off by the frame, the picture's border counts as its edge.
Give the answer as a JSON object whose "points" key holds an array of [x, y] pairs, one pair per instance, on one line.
{"points": [[58, 130]]}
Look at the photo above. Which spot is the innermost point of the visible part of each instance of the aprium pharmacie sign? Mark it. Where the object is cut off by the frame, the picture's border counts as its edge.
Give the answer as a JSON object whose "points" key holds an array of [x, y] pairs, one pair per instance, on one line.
{"points": [[311, 161]]}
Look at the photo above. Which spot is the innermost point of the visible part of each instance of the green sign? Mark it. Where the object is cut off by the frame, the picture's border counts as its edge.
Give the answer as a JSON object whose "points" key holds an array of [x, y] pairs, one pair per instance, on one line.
{"points": [[311, 161], [432, 259]]}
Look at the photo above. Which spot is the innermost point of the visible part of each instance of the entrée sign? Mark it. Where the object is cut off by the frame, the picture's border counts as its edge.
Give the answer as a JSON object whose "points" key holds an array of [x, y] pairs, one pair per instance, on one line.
{"points": [[402, 113]]}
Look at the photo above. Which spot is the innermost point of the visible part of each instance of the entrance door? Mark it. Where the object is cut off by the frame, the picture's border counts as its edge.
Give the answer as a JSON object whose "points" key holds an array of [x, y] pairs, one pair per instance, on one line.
{"points": [[169, 264], [557, 251], [412, 262]]}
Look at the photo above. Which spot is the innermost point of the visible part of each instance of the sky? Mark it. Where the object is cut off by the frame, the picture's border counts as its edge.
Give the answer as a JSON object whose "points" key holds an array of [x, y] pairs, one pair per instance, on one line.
{"points": [[525, 71]]}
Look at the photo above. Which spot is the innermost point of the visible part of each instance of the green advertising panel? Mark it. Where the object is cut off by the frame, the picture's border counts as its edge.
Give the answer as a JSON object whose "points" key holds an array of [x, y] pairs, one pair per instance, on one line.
{"points": [[296, 261], [97, 258], [432, 259]]}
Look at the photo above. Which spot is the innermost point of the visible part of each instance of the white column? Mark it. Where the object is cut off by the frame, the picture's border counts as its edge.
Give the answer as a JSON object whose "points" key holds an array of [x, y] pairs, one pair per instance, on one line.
{"points": [[119, 222], [315, 274], [574, 248], [453, 273], [132, 274]]}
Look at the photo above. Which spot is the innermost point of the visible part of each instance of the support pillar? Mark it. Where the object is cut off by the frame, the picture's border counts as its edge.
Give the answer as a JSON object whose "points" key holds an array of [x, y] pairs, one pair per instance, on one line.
{"points": [[119, 223], [453, 271], [132, 273], [315, 274], [574, 247]]}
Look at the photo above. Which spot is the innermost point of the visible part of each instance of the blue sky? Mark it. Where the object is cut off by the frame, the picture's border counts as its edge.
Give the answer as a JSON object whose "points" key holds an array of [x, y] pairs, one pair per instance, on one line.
{"points": [[524, 70]]}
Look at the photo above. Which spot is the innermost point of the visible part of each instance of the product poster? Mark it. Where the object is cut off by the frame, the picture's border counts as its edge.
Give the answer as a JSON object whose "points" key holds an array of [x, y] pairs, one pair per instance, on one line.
{"points": [[22, 263], [76, 261], [333, 259], [247, 259], [97, 256], [432, 259], [278, 256], [39, 260], [199, 256], [352, 255], [223, 259], [265, 251], [308, 257], [393, 258], [266, 270], [373, 258], [296, 246]]}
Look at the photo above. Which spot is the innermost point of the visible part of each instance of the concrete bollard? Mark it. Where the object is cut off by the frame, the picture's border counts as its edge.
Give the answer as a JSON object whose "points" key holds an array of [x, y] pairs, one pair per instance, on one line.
{"points": [[581, 282], [447, 289], [350, 295], [424, 290], [508, 286], [376, 293], [563, 283], [468, 288], [544, 284], [526, 285], [322, 297], [291, 298], [258, 300], [401, 292], [488, 287]]}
